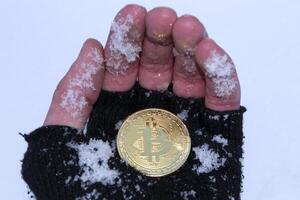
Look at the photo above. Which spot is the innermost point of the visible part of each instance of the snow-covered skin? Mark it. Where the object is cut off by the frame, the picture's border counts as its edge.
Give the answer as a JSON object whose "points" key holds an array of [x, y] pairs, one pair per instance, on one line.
{"points": [[122, 58], [79, 89], [264, 45]]}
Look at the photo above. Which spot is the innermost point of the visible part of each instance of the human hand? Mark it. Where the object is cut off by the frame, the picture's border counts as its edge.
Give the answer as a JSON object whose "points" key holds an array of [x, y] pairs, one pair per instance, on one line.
{"points": [[158, 49], [142, 48]]}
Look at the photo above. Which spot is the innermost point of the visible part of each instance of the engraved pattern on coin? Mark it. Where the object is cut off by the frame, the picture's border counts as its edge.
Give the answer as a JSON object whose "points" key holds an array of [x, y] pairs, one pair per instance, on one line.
{"points": [[154, 142]]}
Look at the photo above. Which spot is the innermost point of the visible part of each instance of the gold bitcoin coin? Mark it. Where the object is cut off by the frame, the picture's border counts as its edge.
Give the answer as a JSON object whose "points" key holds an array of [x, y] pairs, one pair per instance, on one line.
{"points": [[154, 141]]}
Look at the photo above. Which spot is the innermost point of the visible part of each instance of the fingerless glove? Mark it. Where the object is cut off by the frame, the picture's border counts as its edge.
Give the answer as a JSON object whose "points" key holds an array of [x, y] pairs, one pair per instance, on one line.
{"points": [[63, 163]]}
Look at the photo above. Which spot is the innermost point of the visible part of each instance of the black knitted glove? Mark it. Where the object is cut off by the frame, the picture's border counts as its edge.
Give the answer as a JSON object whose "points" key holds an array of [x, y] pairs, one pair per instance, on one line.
{"points": [[63, 163]]}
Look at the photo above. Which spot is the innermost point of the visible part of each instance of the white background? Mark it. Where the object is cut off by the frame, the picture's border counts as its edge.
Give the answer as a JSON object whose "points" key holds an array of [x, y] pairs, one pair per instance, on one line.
{"points": [[40, 39]]}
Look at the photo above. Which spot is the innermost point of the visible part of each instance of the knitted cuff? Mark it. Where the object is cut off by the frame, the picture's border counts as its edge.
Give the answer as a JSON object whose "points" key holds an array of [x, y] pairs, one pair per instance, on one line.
{"points": [[89, 166], [48, 162]]}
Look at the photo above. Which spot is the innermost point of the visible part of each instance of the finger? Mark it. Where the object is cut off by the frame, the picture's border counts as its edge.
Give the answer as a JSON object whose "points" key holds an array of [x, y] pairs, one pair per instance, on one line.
{"points": [[188, 80], [156, 67], [123, 47], [79, 89], [222, 84]]}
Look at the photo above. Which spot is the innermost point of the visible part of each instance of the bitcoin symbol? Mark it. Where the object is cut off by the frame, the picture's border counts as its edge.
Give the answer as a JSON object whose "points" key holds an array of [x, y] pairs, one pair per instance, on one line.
{"points": [[155, 141]]}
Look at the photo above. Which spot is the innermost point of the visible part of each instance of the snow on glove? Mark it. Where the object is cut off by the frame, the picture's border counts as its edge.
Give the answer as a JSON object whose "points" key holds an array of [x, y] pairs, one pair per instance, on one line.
{"points": [[64, 163]]}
